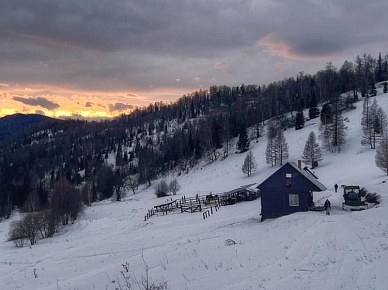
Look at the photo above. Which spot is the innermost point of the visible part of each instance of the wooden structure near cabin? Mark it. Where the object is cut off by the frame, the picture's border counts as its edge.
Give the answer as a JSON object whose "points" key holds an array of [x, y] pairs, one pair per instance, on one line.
{"points": [[207, 204], [288, 190], [185, 205], [243, 193]]}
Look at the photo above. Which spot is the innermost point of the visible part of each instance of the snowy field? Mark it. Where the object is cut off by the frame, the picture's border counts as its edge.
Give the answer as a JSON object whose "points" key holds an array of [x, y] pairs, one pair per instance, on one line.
{"points": [[346, 250]]}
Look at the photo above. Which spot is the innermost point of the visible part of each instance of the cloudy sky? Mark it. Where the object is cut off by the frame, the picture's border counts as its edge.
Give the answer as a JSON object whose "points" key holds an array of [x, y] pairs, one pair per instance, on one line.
{"points": [[100, 58]]}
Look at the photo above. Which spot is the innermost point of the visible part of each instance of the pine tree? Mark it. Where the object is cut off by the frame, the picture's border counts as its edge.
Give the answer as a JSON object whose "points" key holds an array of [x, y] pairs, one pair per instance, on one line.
{"points": [[338, 128], [325, 137], [243, 142], [249, 165], [119, 155], [258, 130], [216, 134], [381, 157], [326, 114], [333, 133], [312, 151], [272, 128], [379, 69], [299, 120], [313, 109]]}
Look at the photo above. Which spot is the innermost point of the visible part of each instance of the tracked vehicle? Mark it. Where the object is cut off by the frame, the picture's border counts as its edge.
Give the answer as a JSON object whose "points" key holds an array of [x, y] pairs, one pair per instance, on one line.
{"points": [[353, 198]]}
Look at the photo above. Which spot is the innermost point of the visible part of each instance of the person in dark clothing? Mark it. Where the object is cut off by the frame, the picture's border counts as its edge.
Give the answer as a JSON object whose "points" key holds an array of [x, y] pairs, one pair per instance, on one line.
{"points": [[335, 187], [327, 206]]}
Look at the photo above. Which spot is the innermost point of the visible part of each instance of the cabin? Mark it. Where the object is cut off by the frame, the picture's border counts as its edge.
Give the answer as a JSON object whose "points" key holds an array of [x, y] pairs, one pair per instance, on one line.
{"points": [[288, 190]]}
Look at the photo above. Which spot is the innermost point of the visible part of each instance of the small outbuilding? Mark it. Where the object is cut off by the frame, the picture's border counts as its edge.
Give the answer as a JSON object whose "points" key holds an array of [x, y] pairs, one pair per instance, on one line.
{"points": [[288, 190]]}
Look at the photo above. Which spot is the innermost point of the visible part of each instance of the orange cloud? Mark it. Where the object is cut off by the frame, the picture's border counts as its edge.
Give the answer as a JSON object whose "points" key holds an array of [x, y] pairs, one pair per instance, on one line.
{"points": [[65, 103]]}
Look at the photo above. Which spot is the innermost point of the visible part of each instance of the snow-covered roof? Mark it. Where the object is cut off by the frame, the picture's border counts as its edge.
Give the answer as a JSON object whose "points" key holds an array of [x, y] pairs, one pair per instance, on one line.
{"points": [[309, 176]]}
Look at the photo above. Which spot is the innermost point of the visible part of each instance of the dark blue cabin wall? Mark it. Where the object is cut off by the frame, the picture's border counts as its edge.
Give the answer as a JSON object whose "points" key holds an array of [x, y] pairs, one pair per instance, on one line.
{"points": [[272, 204], [275, 203], [302, 202]]}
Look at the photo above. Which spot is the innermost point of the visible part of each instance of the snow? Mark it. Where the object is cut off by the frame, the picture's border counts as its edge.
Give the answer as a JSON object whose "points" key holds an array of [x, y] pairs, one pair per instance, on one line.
{"points": [[346, 250]]}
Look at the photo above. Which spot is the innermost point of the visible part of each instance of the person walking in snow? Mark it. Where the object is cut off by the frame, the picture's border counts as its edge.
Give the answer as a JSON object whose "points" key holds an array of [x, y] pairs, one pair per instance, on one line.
{"points": [[327, 207], [335, 187]]}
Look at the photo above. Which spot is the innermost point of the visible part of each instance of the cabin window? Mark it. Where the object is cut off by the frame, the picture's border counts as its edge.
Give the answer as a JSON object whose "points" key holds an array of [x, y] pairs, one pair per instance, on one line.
{"points": [[288, 180], [293, 199]]}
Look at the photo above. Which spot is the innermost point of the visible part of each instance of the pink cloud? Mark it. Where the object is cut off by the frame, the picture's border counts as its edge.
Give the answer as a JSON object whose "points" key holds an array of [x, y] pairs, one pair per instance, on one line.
{"points": [[276, 46], [279, 67], [220, 65]]}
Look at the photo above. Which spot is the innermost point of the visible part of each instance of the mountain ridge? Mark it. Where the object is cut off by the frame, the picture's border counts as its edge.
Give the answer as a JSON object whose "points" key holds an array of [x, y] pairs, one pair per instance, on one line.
{"points": [[15, 123]]}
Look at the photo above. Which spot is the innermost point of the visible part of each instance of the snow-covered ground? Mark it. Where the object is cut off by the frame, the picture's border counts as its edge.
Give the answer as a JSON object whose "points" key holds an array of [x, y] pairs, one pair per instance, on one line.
{"points": [[346, 250]]}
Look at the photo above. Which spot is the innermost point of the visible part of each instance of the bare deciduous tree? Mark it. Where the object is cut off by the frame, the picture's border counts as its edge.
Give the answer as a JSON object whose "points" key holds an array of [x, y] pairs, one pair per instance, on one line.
{"points": [[381, 157], [32, 227], [281, 148], [161, 189], [24, 230], [249, 165], [174, 186], [133, 183]]}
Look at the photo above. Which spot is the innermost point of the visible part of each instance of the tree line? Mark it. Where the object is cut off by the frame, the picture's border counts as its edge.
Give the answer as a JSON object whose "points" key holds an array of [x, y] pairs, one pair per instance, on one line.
{"points": [[106, 158]]}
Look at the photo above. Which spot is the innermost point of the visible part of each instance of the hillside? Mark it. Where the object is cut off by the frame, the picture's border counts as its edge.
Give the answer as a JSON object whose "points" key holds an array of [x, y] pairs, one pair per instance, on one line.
{"points": [[15, 123], [346, 250]]}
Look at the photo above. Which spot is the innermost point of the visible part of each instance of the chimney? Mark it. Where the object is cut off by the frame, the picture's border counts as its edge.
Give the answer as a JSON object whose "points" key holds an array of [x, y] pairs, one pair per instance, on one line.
{"points": [[300, 164]]}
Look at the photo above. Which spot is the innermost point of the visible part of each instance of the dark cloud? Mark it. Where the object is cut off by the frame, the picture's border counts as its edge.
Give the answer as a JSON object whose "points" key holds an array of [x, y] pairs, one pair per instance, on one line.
{"points": [[134, 45], [89, 104], [120, 107], [39, 101]]}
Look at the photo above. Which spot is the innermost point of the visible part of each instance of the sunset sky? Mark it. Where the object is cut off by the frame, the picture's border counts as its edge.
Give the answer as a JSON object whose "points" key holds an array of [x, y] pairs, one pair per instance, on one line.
{"points": [[101, 58]]}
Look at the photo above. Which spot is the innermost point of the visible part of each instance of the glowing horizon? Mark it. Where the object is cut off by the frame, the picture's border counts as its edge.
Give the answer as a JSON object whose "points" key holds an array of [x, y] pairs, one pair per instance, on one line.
{"points": [[60, 103]]}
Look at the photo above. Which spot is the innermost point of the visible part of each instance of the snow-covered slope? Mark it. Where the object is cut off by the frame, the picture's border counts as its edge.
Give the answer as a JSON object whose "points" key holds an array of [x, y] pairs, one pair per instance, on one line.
{"points": [[346, 250]]}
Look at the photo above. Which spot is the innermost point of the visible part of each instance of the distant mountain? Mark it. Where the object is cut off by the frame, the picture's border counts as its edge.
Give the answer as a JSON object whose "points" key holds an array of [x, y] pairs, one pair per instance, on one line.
{"points": [[15, 123]]}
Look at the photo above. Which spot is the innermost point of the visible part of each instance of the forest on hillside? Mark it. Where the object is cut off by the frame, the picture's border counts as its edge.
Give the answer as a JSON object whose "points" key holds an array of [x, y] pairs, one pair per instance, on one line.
{"points": [[39, 161]]}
